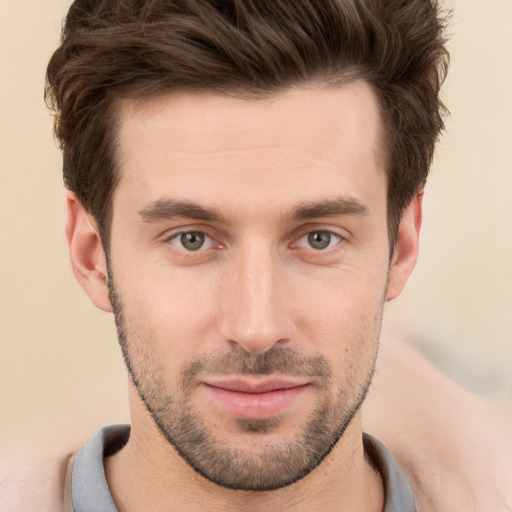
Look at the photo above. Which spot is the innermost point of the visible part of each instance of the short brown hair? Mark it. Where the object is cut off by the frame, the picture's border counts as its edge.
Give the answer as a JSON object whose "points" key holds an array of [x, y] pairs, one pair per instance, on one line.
{"points": [[135, 48]]}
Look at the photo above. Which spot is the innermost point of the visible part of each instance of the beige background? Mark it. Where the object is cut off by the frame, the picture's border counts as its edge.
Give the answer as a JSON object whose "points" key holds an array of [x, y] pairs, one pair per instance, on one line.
{"points": [[60, 368]]}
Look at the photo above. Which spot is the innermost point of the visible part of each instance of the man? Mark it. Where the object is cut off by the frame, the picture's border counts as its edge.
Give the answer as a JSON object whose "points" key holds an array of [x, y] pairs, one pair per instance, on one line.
{"points": [[245, 182], [453, 447]]}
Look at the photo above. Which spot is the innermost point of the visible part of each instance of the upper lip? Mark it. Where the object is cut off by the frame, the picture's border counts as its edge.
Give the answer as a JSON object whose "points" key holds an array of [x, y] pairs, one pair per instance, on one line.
{"points": [[246, 385]]}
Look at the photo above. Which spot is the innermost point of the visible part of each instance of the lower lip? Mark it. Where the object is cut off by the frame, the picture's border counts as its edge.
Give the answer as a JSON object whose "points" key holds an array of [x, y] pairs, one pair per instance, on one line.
{"points": [[256, 405]]}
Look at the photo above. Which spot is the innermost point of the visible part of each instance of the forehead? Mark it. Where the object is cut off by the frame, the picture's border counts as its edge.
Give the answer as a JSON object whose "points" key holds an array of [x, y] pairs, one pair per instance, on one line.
{"points": [[215, 147]]}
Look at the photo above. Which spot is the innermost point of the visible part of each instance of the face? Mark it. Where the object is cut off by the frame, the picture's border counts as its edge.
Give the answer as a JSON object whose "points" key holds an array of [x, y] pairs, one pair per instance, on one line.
{"points": [[248, 269]]}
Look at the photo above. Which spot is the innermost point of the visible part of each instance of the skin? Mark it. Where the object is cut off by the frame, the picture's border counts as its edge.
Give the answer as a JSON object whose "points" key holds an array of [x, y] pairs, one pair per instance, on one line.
{"points": [[257, 286], [454, 446]]}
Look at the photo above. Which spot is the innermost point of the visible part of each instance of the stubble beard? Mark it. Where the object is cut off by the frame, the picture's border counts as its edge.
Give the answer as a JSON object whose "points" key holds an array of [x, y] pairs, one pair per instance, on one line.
{"points": [[262, 464]]}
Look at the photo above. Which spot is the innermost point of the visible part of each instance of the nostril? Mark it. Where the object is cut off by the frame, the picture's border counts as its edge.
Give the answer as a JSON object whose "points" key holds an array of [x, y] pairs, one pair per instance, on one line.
{"points": [[257, 345]]}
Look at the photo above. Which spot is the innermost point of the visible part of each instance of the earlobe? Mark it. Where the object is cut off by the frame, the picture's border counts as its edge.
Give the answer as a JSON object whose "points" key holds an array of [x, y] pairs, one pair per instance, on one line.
{"points": [[405, 254], [86, 253]]}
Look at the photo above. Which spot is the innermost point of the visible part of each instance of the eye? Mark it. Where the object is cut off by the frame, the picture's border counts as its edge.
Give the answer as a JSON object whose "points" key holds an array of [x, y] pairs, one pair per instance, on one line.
{"points": [[191, 241], [319, 240]]}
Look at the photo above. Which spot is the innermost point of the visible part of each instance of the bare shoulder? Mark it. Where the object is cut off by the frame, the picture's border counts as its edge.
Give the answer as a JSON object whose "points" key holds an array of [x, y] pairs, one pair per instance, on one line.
{"points": [[42, 485], [454, 446]]}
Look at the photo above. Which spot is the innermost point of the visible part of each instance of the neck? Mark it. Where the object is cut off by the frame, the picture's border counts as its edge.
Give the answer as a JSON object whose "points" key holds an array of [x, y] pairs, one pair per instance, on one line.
{"points": [[149, 474]]}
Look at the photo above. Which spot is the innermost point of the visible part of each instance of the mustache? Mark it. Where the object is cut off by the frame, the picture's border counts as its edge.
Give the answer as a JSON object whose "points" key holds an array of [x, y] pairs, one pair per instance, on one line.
{"points": [[277, 360]]}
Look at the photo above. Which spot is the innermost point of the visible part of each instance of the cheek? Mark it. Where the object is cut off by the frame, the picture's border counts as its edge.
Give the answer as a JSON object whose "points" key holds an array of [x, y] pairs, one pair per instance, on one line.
{"points": [[343, 301], [178, 310], [348, 332], [171, 312], [342, 321]]}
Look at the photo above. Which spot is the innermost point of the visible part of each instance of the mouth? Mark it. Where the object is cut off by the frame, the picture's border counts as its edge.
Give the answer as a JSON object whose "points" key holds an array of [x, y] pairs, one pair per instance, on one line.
{"points": [[256, 398]]}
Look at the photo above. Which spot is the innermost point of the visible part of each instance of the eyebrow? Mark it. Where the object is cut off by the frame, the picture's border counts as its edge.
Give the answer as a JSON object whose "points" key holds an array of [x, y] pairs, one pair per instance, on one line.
{"points": [[330, 208], [167, 209]]}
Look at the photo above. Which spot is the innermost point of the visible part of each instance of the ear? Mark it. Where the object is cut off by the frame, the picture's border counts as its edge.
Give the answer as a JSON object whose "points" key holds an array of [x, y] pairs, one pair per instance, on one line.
{"points": [[405, 254], [86, 253]]}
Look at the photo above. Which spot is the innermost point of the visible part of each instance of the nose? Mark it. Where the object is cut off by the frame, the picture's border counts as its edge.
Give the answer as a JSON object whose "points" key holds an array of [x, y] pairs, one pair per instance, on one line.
{"points": [[255, 307]]}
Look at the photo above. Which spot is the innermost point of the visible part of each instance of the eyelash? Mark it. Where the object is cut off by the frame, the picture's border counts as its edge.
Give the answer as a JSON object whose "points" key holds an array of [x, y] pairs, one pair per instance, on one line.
{"points": [[176, 241], [177, 236], [333, 237]]}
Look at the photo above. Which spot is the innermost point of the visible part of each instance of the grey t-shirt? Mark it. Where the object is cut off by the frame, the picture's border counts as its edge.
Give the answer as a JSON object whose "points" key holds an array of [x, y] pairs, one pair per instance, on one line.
{"points": [[90, 491]]}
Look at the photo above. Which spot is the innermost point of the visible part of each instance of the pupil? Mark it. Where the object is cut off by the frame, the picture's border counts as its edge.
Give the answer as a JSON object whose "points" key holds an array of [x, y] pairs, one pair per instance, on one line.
{"points": [[192, 241], [319, 240]]}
